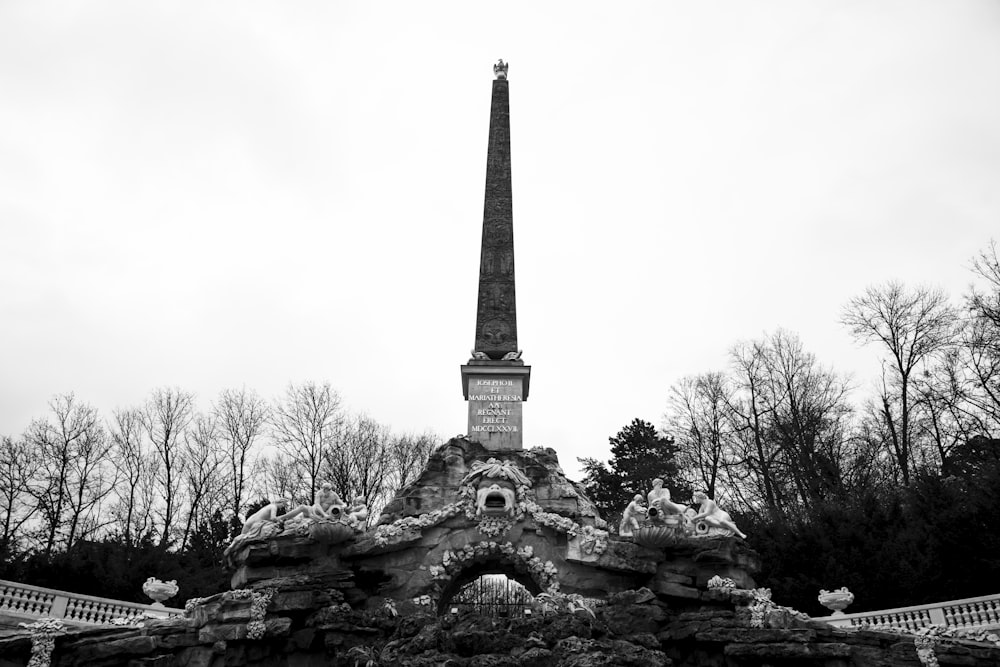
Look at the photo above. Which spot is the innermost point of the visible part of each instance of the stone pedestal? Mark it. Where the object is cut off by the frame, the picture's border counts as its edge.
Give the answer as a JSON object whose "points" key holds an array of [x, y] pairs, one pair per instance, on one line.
{"points": [[495, 391]]}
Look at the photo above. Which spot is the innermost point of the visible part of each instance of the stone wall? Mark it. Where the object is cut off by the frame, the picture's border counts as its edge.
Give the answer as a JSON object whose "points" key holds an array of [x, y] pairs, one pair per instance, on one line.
{"points": [[310, 627]]}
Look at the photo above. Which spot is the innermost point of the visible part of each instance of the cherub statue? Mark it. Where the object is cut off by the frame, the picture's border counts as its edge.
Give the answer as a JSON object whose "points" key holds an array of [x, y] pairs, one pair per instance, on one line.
{"points": [[630, 518], [358, 511], [659, 498], [512, 356], [711, 514]]}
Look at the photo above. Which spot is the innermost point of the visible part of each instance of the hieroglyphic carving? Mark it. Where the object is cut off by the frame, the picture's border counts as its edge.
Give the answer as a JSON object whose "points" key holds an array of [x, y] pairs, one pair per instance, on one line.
{"points": [[496, 334], [496, 318]]}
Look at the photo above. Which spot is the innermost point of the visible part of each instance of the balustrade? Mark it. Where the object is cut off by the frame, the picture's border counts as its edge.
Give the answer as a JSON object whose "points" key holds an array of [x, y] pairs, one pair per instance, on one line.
{"points": [[981, 612], [33, 601]]}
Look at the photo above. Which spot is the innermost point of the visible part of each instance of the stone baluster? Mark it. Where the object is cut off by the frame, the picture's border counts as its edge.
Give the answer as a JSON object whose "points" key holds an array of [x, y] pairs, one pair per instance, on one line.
{"points": [[992, 615], [965, 615], [981, 615]]}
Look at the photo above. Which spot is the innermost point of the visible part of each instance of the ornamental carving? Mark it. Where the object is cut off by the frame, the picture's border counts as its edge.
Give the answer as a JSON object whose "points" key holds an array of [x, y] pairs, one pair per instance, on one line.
{"points": [[497, 333]]}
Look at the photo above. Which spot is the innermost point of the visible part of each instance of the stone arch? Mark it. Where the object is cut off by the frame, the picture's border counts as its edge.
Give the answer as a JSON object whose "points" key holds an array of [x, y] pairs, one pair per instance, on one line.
{"points": [[494, 565]]}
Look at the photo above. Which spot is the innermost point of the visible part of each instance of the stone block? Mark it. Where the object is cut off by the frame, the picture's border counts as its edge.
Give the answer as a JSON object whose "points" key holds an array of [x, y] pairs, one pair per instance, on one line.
{"points": [[675, 590], [199, 656], [789, 651], [536, 657], [673, 577], [279, 626], [226, 632], [759, 635], [627, 620], [234, 611], [205, 613], [297, 600], [157, 661], [303, 639], [179, 641], [117, 648]]}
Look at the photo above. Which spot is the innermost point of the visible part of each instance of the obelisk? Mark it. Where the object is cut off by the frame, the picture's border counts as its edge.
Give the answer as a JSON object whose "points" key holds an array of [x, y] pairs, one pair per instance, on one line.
{"points": [[495, 380]]}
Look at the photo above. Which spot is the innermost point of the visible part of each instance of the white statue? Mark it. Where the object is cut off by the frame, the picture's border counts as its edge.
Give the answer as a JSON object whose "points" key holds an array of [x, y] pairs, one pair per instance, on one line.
{"points": [[328, 506], [712, 515], [659, 499], [630, 518], [268, 514], [358, 511]]}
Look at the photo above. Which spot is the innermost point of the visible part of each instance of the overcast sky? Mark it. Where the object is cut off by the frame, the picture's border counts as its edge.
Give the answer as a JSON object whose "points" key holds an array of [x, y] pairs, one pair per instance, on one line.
{"points": [[212, 195]]}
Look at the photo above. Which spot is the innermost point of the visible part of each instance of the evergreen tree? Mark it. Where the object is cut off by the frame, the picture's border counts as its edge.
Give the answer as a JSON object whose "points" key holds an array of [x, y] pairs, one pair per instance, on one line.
{"points": [[639, 454]]}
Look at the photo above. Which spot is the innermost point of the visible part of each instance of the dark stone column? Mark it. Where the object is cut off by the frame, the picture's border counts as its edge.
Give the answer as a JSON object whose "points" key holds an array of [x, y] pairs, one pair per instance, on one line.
{"points": [[496, 315]]}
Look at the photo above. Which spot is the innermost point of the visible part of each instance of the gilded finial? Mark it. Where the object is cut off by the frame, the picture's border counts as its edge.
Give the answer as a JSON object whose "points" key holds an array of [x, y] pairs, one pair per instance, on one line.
{"points": [[500, 69]]}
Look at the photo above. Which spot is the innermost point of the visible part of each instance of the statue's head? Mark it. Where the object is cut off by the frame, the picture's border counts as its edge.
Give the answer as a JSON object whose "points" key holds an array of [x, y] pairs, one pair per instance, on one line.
{"points": [[699, 496], [657, 483], [638, 498]]}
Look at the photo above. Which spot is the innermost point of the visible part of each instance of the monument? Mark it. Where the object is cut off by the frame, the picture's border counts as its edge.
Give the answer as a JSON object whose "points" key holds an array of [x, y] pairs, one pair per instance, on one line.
{"points": [[316, 585], [495, 380]]}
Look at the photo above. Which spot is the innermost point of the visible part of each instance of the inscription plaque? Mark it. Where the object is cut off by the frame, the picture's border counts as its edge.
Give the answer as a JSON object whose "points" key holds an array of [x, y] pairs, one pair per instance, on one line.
{"points": [[495, 411]]}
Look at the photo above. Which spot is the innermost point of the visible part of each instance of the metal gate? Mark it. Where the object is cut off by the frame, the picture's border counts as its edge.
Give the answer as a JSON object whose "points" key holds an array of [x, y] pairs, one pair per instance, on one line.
{"points": [[492, 595]]}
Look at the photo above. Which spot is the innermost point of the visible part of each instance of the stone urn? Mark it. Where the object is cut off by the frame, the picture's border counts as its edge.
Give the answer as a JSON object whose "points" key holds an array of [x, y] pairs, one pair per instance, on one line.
{"points": [[330, 532], [159, 590], [836, 601]]}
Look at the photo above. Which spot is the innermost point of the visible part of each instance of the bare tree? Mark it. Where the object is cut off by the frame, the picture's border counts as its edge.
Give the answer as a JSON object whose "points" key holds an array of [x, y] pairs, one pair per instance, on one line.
{"points": [[808, 410], [280, 477], [91, 479], [135, 469], [242, 416], [911, 325], [368, 446], [753, 476], [19, 465], [699, 418], [408, 455], [305, 422], [981, 342], [167, 414], [74, 430], [986, 305], [202, 481]]}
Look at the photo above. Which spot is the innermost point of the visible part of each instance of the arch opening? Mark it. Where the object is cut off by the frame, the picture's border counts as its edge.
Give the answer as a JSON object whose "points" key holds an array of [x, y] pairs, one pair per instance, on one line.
{"points": [[491, 589]]}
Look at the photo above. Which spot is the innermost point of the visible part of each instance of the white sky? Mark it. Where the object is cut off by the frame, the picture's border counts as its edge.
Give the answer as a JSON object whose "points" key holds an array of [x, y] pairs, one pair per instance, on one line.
{"points": [[211, 195]]}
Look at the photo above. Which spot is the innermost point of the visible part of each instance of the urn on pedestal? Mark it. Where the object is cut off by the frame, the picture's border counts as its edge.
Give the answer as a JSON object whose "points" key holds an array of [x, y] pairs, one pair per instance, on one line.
{"points": [[159, 591], [836, 601]]}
